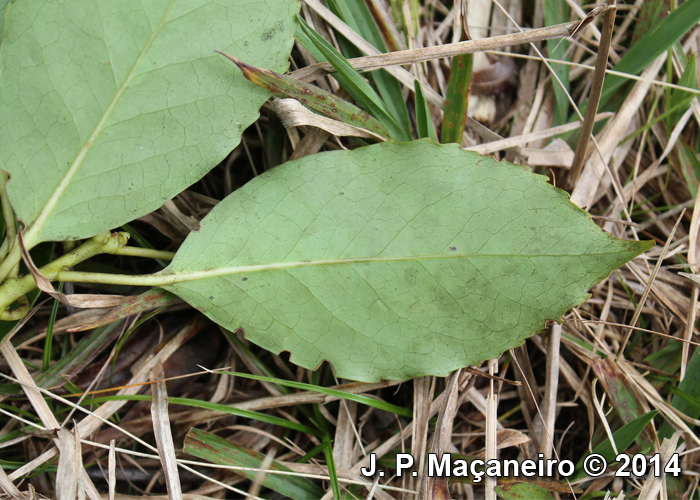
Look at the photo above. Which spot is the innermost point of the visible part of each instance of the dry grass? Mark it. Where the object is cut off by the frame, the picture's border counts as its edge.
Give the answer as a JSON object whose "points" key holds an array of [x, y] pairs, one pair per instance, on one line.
{"points": [[616, 357]]}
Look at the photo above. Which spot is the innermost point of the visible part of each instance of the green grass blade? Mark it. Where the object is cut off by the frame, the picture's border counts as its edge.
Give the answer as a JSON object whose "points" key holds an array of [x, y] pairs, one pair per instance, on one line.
{"points": [[690, 387], [650, 13], [555, 12], [457, 100], [330, 464], [80, 355], [652, 45], [358, 16], [423, 120], [48, 341], [684, 102], [314, 451], [358, 398], [622, 397], [219, 451], [311, 96], [623, 437], [678, 96], [357, 87], [195, 403]]}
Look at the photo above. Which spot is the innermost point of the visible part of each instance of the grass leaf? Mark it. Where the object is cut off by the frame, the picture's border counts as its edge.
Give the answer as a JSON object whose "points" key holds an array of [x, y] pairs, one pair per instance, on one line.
{"points": [[423, 120], [623, 437], [311, 96], [664, 34], [357, 86], [210, 447], [457, 100], [358, 16]]}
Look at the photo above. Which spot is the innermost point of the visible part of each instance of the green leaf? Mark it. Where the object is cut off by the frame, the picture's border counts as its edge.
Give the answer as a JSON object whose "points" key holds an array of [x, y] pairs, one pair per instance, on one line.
{"points": [[423, 120], [457, 100], [664, 34], [108, 109], [395, 260], [219, 451]]}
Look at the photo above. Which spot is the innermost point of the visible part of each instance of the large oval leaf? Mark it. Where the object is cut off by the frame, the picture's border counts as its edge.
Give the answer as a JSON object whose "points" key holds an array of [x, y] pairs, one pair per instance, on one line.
{"points": [[110, 108], [395, 260]]}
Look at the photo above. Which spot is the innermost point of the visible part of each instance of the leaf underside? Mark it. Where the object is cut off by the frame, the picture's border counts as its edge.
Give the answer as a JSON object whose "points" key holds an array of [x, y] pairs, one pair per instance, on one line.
{"points": [[130, 97], [462, 258]]}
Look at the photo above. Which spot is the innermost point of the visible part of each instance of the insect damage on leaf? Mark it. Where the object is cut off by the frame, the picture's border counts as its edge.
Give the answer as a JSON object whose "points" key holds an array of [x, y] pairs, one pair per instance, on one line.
{"points": [[434, 258]]}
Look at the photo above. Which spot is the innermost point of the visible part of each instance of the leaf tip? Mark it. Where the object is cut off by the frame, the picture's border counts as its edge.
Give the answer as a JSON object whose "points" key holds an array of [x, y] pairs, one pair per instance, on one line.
{"points": [[235, 61]]}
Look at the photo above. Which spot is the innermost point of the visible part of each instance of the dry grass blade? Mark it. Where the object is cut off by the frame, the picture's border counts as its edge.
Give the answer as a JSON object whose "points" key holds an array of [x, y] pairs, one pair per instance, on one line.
{"points": [[549, 406], [447, 50], [435, 488], [161, 429], [521, 140], [595, 168], [647, 289], [91, 423], [293, 114], [423, 389], [42, 409], [652, 486], [112, 470], [491, 448], [284, 86], [70, 466], [8, 487]]}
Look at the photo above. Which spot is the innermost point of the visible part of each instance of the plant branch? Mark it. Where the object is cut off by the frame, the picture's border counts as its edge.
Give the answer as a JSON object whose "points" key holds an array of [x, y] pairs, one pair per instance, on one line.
{"points": [[15, 288]]}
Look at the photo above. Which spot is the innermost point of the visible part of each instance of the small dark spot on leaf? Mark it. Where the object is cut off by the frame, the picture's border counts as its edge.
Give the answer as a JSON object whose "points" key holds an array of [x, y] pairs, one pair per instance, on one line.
{"points": [[342, 193], [454, 249], [245, 279]]}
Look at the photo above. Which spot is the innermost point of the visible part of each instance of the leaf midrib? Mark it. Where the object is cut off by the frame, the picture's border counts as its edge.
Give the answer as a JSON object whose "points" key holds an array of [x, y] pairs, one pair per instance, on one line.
{"points": [[32, 234], [179, 277]]}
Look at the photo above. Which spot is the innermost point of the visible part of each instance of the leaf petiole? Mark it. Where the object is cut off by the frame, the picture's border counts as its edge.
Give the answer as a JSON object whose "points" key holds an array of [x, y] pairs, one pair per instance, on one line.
{"points": [[148, 253]]}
